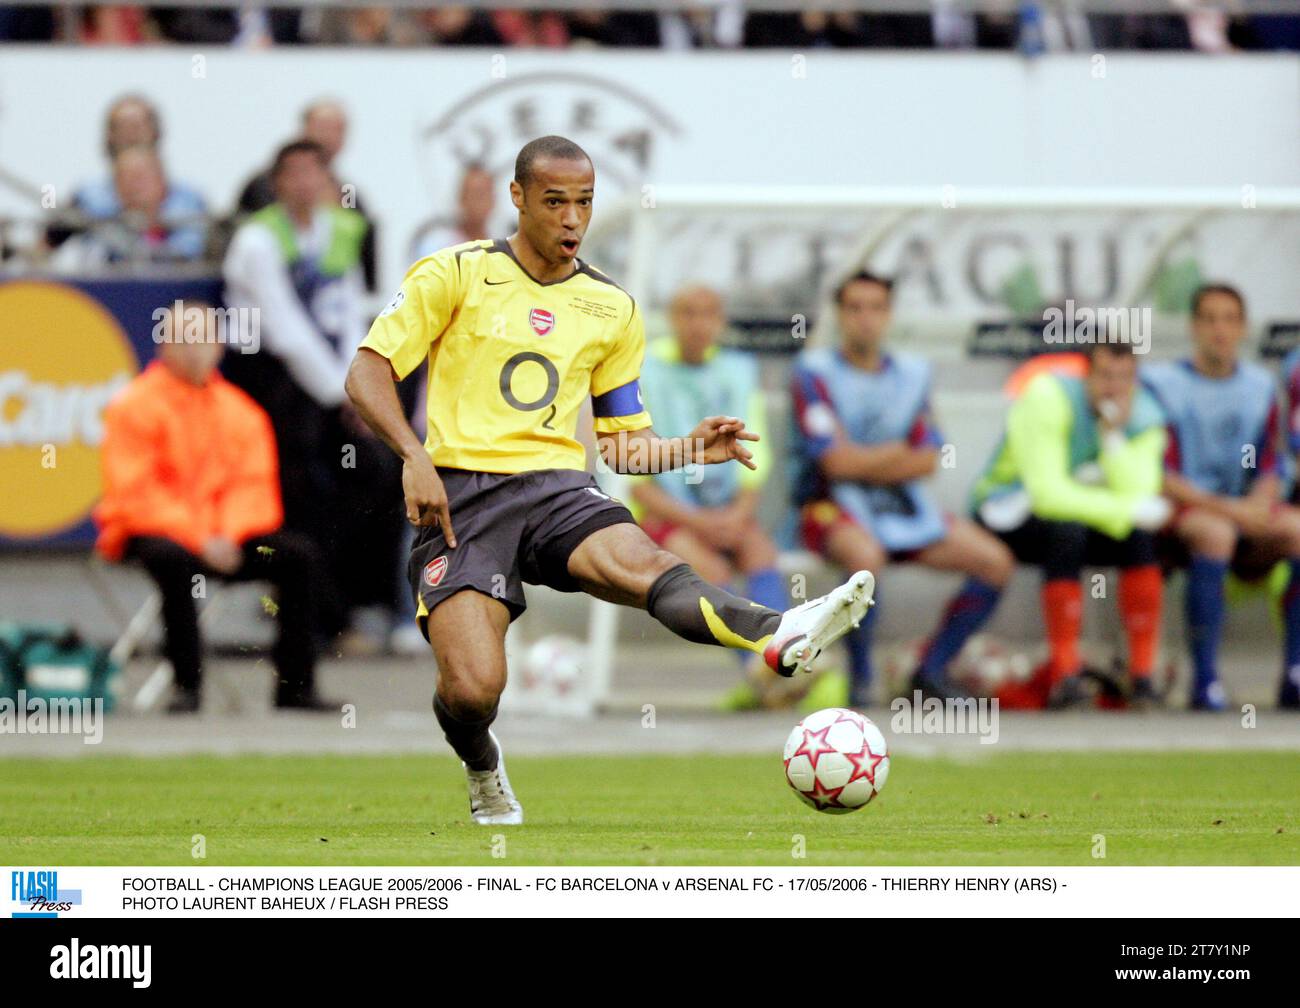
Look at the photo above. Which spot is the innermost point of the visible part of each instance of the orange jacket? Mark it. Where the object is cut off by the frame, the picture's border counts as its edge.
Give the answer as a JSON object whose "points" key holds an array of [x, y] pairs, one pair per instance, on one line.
{"points": [[186, 463]]}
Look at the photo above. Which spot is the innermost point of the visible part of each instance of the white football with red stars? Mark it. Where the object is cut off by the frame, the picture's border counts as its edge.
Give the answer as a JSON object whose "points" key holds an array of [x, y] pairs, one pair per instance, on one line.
{"points": [[836, 760]]}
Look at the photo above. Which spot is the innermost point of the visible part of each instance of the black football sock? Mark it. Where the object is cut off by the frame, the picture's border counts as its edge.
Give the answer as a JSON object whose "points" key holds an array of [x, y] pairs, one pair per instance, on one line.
{"points": [[469, 739], [692, 608]]}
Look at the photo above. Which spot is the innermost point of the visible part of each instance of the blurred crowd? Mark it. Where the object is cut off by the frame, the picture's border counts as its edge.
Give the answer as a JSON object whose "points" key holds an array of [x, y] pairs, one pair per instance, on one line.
{"points": [[1032, 26], [137, 213]]}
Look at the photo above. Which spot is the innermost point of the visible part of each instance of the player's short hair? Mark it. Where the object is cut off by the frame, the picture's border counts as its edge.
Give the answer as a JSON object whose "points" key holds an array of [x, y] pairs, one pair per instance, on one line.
{"points": [[862, 276], [548, 146], [293, 148], [1217, 288]]}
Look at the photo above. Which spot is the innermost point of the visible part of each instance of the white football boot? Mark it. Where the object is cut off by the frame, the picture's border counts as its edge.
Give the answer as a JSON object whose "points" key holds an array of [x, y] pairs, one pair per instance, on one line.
{"points": [[807, 630], [492, 802]]}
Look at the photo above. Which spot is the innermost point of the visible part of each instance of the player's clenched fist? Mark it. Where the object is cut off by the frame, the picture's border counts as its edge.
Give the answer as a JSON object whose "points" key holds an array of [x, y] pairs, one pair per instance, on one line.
{"points": [[718, 440], [426, 498]]}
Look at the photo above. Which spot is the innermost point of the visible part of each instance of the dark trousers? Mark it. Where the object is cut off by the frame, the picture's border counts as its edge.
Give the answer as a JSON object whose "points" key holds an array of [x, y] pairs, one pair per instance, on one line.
{"points": [[287, 561], [342, 489], [1064, 548]]}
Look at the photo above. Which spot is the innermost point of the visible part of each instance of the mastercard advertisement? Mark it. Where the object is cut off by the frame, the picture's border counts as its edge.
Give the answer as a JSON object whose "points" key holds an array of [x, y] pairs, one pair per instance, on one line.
{"points": [[65, 351]]}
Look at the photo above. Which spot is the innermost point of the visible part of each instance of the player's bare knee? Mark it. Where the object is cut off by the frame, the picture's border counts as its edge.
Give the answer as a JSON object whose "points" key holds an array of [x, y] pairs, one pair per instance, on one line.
{"points": [[873, 559], [1210, 535], [714, 570], [470, 686], [470, 698], [997, 565], [759, 552]]}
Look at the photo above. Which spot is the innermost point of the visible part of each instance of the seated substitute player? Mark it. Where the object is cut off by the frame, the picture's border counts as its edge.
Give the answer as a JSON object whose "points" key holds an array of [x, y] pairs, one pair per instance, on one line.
{"points": [[708, 517], [190, 488], [866, 443], [518, 333], [1074, 482], [1222, 470]]}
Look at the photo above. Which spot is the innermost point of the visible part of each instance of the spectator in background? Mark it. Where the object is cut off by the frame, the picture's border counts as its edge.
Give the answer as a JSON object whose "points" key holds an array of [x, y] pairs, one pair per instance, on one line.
{"points": [[325, 124], [363, 26], [531, 29], [1075, 481], [1140, 31], [298, 262], [1207, 26], [202, 25], [114, 25], [840, 29], [133, 121], [719, 26], [866, 443], [459, 26], [616, 28], [708, 516], [140, 231], [1223, 472], [472, 218], [190, 490]]}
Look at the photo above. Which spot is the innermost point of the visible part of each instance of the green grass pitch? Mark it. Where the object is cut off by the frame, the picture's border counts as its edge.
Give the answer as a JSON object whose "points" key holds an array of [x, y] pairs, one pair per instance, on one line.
{"points": [[1000, 809]]}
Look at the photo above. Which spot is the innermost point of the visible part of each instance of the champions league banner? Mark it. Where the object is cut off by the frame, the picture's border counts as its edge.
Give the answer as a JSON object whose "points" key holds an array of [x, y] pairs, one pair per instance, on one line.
{"points": [[66, 347]]}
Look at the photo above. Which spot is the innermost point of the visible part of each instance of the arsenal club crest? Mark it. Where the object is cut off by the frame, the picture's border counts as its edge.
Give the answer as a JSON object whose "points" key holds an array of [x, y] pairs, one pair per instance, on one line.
{"points": [[541, 320], [434, 571]]}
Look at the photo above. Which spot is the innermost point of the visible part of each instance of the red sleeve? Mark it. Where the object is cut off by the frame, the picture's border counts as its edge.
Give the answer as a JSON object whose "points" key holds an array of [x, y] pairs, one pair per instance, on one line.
{"points": [[813, 412], [1266, 459], [1173, 455], [1293, 410], [924, 433]]}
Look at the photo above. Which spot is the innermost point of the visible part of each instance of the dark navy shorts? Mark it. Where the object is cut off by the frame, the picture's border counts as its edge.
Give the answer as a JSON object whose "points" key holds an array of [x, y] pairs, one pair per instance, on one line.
{"points": [[511, 528]]}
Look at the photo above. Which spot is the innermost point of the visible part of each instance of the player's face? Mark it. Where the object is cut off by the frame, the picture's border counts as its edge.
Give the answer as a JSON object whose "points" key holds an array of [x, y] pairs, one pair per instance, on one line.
{"points": [[864, 314], [555, 208], [1218, 327], [697, 319], [1111, 377]]}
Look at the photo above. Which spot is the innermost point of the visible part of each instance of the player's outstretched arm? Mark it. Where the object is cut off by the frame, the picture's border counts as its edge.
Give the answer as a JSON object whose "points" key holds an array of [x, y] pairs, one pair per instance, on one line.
{"points": [[716, 439], [373, 392]]}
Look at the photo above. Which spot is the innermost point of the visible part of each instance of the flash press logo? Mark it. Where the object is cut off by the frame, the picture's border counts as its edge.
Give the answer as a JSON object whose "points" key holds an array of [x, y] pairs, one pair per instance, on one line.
{"points": [[39, 895], [75, 961]]}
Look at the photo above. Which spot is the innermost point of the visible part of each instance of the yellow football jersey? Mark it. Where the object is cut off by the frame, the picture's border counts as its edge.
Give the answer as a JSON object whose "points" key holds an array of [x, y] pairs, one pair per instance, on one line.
{"points": [[511, 360]]}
